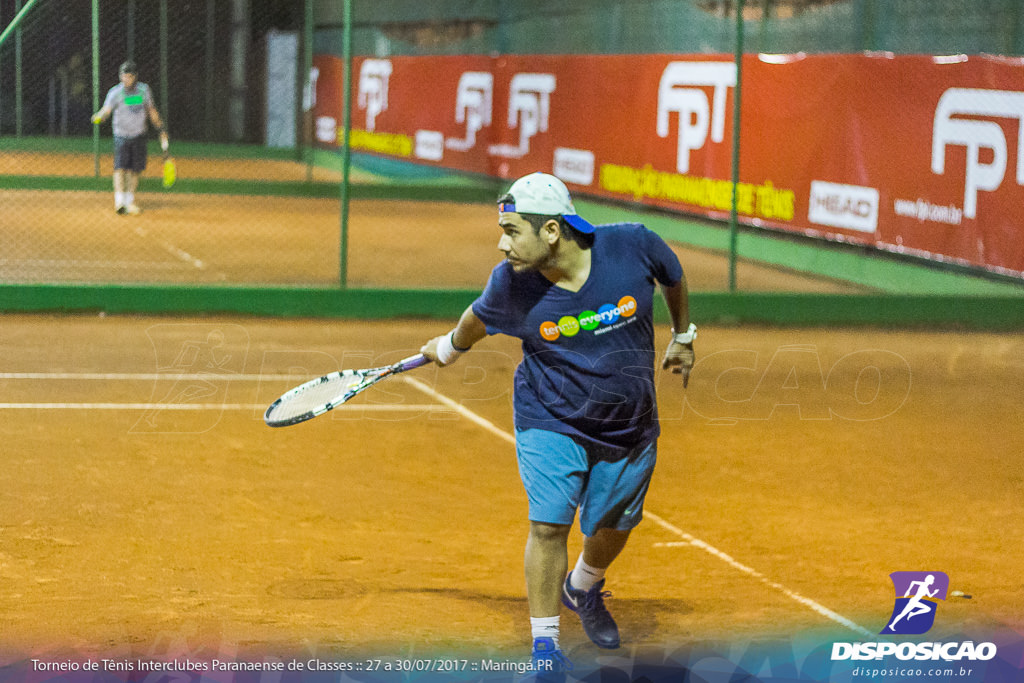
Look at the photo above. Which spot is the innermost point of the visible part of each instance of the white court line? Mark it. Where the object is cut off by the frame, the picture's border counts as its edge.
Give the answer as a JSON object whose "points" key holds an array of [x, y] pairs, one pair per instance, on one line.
{"points": [[122, 376], [462, 410], [688, 539], [173, 250], [67, 264], [160, 376], [376, 407]]}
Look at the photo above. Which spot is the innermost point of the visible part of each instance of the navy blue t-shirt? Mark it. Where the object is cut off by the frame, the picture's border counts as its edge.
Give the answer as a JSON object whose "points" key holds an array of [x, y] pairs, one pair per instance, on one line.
{"points": [[588, 356]]}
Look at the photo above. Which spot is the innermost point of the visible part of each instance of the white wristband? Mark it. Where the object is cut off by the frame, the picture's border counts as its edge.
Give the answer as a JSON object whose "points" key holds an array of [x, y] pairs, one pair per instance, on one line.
{"points": [[685, 337], [446, 351]]}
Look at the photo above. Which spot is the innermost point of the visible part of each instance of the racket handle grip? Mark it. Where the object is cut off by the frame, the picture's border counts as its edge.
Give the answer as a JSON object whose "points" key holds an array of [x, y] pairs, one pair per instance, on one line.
{"points": [[412, 362]]}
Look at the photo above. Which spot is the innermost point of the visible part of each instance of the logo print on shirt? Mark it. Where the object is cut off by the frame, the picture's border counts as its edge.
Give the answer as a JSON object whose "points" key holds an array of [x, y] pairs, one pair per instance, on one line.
{"points": [[570, 326]]}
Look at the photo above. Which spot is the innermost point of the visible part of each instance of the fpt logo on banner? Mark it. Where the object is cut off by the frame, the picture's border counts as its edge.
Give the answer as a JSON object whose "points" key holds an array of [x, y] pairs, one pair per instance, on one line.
{"points": [[681, 91], [374, 75], [981, 138], [529, 108], [473, 103]]}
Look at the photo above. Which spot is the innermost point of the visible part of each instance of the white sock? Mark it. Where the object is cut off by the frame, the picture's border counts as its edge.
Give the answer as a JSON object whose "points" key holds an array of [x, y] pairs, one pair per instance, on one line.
{"points": [[129, 198], [545, 627], [584, 576], [119, 199]]}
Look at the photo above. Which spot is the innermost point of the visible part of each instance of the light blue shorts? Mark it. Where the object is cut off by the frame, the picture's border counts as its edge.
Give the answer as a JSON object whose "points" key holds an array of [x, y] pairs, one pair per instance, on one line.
{"points": [[560, 476]]}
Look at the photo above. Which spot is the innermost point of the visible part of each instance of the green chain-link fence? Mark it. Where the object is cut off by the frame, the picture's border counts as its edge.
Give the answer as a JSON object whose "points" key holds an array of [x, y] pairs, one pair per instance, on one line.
{"points": [[257, 197]]}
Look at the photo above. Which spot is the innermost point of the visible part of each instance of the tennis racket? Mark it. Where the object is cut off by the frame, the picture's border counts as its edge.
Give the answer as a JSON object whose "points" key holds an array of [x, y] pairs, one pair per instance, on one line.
{"points": [[320, 395]]}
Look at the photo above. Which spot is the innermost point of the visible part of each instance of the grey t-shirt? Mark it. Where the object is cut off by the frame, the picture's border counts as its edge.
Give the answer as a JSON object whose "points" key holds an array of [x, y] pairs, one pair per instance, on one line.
{"points": [[129, 109]]}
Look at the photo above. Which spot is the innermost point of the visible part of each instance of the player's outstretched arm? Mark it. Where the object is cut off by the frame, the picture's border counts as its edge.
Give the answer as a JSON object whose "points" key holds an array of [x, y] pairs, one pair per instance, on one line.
{"points": [[447, 348], [102, 115]]}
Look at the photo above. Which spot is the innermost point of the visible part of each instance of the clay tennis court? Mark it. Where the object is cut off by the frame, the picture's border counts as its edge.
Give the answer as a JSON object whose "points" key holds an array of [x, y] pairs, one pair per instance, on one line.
{"points": [[148, 512], [188, 239], [74, 236]]}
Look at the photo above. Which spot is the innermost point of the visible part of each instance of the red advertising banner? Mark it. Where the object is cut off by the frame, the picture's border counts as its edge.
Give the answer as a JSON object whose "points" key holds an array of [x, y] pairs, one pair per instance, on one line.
{"points": [[914, 154]]}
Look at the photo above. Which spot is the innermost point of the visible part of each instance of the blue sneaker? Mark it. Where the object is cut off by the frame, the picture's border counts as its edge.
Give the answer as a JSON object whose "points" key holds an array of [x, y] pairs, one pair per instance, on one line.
{"points": [[548, 662], [589, 605]]}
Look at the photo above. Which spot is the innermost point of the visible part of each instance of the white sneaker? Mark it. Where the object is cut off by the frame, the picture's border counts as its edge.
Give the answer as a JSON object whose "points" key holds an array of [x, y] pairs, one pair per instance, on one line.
{"points": [[132, 210]]}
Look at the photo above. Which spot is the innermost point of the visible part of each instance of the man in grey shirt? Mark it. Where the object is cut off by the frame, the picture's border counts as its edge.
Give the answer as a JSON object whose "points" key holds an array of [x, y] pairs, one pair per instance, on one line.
{"points": [[130, 102]]}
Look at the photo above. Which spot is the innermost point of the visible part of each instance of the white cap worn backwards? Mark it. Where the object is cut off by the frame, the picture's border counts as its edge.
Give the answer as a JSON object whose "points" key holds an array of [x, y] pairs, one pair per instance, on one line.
{"points": [[545, 194]]}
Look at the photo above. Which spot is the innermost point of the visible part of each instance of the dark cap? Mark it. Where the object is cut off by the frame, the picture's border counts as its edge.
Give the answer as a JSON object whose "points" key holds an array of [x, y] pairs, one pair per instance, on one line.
{"points": [[128, 67]]}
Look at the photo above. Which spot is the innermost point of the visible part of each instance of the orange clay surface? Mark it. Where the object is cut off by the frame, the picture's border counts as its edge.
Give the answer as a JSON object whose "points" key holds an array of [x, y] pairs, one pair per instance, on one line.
{"points": [[146, 507]]}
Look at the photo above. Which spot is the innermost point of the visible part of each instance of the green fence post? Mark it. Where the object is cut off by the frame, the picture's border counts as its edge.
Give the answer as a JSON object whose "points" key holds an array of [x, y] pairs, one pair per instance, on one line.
{"points": [[208, 62], [15, 28], [307, 95], [164, 86], [18, 17], [734, 214], [346, 152], [18, 94], [96, 85]]}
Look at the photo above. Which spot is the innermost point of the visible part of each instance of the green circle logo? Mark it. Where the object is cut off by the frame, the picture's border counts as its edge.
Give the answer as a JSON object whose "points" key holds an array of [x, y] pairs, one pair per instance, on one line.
{"points": [[589, 320]]}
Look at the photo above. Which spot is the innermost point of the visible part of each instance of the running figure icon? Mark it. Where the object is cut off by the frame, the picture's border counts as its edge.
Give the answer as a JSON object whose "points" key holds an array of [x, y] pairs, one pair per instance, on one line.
{"points": [[917, 600], [916, 606]]}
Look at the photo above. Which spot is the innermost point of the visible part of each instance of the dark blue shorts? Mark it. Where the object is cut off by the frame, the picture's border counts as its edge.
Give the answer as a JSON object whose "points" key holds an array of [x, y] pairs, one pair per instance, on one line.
{"points": [[130, 154]]}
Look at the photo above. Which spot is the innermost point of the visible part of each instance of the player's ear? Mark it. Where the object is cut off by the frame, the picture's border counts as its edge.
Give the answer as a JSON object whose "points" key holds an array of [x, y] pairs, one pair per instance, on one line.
{"points": [[551, 231]]}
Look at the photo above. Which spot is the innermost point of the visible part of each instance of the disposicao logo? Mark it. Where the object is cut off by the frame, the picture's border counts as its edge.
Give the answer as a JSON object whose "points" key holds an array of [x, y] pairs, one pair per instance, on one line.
{"points": [[570, 326], [917, 596]]}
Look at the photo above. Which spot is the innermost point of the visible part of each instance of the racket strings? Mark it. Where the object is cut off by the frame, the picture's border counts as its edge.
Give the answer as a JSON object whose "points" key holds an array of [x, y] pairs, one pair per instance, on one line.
{"points": [[318, 396], [313, 397]]}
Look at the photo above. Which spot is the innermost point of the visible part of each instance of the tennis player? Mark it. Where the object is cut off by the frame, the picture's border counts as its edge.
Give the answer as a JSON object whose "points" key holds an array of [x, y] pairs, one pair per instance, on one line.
{"points": [[130, 103], [581, 300]]}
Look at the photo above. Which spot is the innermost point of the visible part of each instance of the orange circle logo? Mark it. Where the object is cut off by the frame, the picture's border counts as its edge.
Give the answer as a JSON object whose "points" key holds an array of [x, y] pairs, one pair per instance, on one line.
{"points": [[627, 306], [549, 331]]}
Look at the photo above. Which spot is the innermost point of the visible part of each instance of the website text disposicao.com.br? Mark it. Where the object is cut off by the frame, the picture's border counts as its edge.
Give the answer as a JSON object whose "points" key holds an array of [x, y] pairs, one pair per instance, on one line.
{"points": [[904, 673], [951, 660]]}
